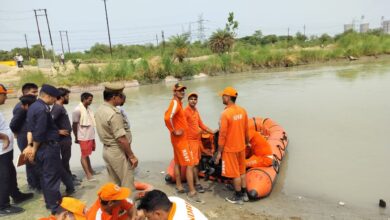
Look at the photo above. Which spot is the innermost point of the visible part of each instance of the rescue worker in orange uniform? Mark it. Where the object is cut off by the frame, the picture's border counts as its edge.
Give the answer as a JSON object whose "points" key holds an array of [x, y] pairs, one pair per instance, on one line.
{"points": [[233, 137], [260, 151], [70, 209], [195, 129], [176, 123], [112, 204], [157, 206]]}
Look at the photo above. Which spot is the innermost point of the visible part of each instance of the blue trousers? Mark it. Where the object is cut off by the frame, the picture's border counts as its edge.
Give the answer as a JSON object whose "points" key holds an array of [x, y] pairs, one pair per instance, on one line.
{"points": [[49, 164]]}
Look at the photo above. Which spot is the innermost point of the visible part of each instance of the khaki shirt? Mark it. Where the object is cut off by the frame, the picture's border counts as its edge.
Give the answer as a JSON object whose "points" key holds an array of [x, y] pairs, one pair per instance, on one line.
{"points": [[110, 125]]}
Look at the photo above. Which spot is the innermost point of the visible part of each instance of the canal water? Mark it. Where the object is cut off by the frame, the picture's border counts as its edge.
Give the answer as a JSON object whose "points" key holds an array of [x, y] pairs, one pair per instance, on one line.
{"points": [[337, 119]]}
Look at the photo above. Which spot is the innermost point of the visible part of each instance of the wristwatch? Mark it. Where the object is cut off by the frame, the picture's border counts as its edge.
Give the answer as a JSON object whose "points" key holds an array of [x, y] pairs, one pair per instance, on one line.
{"points": [[30, 144]]}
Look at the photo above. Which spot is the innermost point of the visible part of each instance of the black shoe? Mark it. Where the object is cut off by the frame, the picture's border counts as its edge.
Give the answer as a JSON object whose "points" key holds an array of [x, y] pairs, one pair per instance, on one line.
{"points": [[235, 199], [22, 197], [69, 192], [10, 210]]}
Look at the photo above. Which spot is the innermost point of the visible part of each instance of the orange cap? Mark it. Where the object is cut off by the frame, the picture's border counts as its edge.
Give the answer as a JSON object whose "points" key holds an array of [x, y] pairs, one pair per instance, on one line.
{"points": [[193, 94], [111, 191], [229, 91], [3, 90], [74, 206], [178, 87]]}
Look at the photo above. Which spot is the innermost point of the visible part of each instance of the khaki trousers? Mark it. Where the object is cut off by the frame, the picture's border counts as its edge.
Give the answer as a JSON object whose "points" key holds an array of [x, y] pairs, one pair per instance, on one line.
{"points": [[118, 167]]}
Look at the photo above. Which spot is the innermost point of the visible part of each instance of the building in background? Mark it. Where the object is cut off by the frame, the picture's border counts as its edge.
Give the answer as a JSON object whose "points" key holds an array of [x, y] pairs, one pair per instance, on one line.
{"points": [[386, 26], [364, 28]]}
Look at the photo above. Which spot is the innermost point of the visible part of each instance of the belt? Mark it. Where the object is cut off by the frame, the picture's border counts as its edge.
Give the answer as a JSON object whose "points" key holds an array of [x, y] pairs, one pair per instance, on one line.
{"points": [[50, 142]]}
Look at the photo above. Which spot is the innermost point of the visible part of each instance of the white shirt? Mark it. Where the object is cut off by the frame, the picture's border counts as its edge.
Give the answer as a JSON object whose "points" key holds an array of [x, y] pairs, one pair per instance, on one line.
{"points": [[4, 128], [185, 210], [124, 115]]}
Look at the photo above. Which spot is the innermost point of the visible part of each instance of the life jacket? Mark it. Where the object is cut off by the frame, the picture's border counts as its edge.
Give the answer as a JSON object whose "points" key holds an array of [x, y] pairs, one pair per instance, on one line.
{"points": [[52, 217], [182, 210], [119, 212]]}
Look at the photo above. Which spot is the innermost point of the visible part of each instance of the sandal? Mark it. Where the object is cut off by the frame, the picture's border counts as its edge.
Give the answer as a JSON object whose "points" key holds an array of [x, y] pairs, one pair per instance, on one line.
{"points": [[180, 191], [199, 188]]}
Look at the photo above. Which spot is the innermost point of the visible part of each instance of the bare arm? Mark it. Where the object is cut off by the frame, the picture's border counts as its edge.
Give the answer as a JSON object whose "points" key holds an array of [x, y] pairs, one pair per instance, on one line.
{"points": [[74, 128], [30, 151], [5, 139]]}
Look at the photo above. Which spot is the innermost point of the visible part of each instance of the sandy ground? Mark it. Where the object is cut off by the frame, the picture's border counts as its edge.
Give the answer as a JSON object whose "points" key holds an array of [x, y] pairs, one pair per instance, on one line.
{"points": [[277, 206]]}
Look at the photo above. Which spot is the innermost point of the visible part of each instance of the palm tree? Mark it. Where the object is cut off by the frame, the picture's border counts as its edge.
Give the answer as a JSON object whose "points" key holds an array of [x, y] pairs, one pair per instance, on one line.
{"points": [[180, 43], [221, 41]]}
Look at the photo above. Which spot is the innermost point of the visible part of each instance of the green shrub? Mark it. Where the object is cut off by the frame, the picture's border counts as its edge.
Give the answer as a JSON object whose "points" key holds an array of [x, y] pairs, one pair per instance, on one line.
{"points": [[36, 77], [226, 62]]}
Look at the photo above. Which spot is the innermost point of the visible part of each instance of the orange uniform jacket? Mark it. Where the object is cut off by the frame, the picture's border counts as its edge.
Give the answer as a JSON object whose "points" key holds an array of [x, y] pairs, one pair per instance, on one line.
{"points": [[194, 123], [233, 129], [259, 145], [174, 120], [118, 213]]}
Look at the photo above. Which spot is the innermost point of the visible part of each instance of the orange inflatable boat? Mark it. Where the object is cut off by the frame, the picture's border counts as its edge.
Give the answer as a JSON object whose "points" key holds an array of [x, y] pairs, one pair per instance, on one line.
{"points": [[261, 179], [268, 145], [142, 188]]}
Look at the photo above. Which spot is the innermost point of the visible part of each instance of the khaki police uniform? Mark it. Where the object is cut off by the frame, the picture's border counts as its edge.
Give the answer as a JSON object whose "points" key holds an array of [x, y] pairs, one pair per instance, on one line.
{"points": [[110, 126]]}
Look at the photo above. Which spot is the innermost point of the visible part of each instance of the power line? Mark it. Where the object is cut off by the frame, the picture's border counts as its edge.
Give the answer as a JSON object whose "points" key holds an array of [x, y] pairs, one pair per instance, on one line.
{"points": [[15, 11]]}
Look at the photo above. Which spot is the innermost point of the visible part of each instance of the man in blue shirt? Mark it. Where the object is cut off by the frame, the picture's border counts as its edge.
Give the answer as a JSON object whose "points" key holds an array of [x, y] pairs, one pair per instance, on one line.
{"points": [[44, 148], [18, 126]]}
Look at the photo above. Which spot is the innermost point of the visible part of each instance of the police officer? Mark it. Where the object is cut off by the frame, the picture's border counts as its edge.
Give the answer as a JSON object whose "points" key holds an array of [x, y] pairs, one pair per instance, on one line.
{"points": [[18, 125], [116, 137], [44, 147]]}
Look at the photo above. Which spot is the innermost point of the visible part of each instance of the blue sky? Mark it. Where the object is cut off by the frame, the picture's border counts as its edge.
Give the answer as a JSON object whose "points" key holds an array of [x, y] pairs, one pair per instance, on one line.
{"points": [[133, 22]]}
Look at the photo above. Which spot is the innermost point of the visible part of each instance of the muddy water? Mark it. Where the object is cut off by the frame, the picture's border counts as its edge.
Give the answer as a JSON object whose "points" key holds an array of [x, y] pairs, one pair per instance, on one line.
{"points": [[337, 119]]}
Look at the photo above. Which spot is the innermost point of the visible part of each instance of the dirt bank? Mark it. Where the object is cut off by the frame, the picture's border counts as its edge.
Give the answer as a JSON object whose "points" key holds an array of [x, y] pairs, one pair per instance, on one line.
{"points": [[277, 206]]}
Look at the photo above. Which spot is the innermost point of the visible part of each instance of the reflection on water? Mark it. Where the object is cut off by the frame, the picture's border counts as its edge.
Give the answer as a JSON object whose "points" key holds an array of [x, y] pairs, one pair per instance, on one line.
{"points": [[337, 119]]}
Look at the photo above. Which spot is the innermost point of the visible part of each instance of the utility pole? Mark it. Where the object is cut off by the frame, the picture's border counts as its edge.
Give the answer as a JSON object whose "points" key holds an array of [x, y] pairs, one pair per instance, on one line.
{"points": [[156, 40], [67, 40], [304, 30], [163, 41], [108, 27], [288, 36], [62, 44], [189, 32], [39, 33], [51, 40], [200, 28], [28, 51]]}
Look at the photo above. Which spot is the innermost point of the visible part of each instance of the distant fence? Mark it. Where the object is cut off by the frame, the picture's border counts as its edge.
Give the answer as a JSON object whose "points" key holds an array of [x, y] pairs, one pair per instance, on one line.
{"points": [[44, 63]]}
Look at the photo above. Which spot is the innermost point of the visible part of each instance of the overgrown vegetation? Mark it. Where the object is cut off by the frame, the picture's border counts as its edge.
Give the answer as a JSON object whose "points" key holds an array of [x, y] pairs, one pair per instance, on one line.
{"points": [[223, 52]]}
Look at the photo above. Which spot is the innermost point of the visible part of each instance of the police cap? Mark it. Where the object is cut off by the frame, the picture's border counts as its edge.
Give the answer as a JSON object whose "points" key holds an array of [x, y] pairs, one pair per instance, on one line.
{"points": [[50, 90], [114, 87]]}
